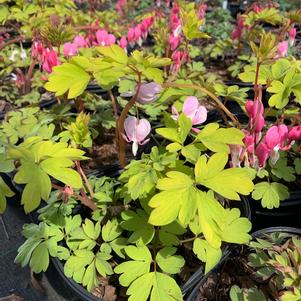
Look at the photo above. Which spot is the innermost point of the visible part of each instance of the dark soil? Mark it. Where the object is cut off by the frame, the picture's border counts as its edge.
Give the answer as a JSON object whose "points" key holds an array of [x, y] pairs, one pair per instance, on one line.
{"points": [[234, 271]]}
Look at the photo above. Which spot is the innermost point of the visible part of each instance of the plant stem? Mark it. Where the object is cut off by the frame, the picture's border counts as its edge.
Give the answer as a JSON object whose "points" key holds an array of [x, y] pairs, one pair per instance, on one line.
{"points": [[116, 117], [121, 120], [80, 170], [188, 240], [29, 76], [211, 95]]}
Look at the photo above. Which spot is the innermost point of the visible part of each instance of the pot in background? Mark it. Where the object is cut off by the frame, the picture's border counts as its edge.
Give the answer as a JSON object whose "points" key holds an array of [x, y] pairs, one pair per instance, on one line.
{"points": [[258, 234]]}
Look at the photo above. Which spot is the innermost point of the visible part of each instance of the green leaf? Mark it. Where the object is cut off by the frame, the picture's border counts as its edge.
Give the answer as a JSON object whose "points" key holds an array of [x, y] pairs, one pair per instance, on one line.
{"points": [[111, 230], [297, 163], [101, 264], [38, 185], [168, 262], [142, 183], [68, 77], [137, 222], [270, 194], [5, 192], [158, 286], [40, 258], [59, 169], [227, 182], [235, 228], [282, 171], [135, 268], [219, 224], [91, 230], [206, 253], [168, 234], [179, 188], [217, 139], [115, 53]]}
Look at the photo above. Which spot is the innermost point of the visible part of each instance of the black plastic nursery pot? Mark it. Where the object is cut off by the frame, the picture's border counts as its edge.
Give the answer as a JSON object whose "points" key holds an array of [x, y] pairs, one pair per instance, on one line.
{"points": [[78, 291], [288, 213], [258, 234]]}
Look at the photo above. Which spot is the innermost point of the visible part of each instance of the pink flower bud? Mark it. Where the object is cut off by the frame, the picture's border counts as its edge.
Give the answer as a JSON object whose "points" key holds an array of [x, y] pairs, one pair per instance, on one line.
{"points": [[255, 112], [148, 92], [292, 35]]}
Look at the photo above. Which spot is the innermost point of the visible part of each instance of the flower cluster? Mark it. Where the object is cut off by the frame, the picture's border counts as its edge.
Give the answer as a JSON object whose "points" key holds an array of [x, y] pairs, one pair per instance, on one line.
{"points": [[47, 57], [258, 148], [71, 48], [137, 34]]}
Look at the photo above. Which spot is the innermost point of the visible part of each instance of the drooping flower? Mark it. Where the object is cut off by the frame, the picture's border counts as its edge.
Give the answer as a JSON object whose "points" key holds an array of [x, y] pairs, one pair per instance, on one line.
{"points": [[37, 50], [148, 92], [255, 112], [138, 34], [101, 37], [275, 139], [123, 42], [80, 41], [192, 109], [131, 36], [238, 30], [179, 58], [292, 35], [174, 42], [282, 48], [295, 133], [136, 131], [50, 59], [69, 49]]}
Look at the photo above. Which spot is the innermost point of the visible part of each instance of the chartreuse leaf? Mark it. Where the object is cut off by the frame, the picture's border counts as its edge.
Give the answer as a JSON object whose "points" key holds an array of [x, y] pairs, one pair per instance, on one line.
{"points": [[179, 134], [38, 161], [177, 199], [191, 23], [168, 234], [138, 266], [159, 286], [218, 139], [168, 262], [282, 89], [42, 242], [249, 74], [114, 53], [83, 266], [270, 194], [206, 253], [227, 182], [218, 223], [137, 222], [68, 77], [5, 192]]}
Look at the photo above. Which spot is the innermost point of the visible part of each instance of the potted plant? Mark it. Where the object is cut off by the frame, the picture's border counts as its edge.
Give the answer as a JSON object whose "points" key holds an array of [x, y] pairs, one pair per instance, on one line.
{"points": [[142, 218], [266, 269]]}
